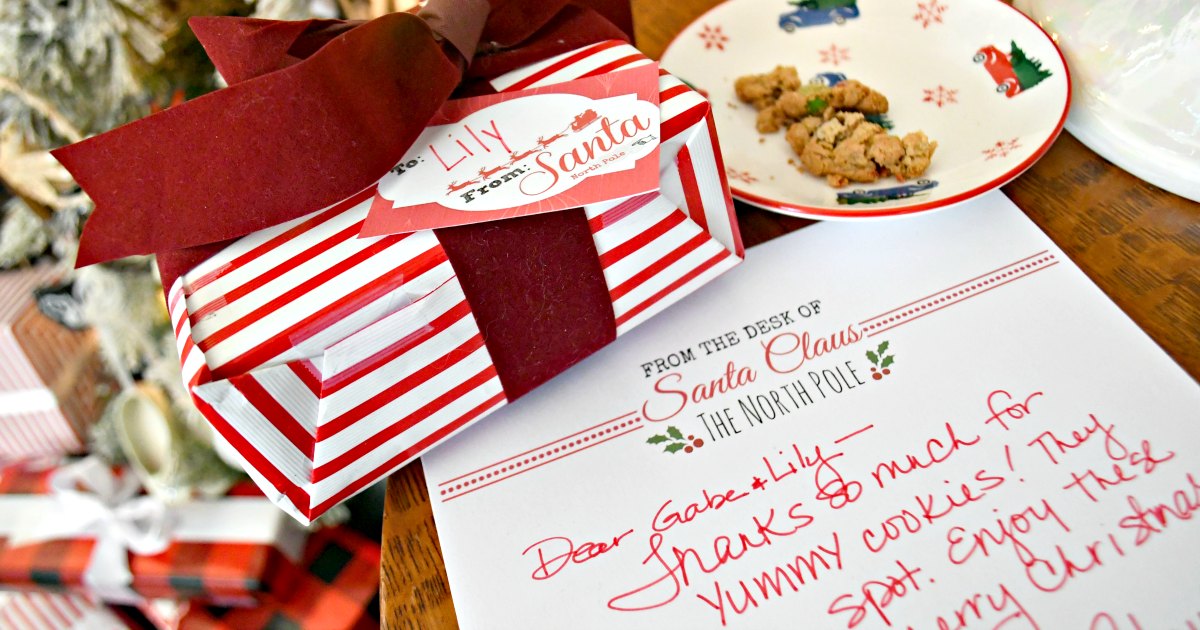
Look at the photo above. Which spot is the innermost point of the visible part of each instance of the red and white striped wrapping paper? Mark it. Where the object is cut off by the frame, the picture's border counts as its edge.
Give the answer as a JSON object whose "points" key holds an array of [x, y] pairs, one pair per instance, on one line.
{"points": [[48, 374], [329, 361], [36, 610]]}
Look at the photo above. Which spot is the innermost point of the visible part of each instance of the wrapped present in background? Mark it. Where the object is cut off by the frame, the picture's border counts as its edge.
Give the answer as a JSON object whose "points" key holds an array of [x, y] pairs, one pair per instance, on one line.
{"points": [[338, 589], [37, 610], [52, 379], [84, 528], [327, 360]]}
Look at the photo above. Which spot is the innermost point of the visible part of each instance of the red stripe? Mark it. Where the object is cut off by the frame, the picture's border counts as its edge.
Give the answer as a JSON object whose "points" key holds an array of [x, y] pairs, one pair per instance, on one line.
{"points": [[38, 611], [18, 613], [620, 211], [652, 270], [8, 448], [340, 380], [308, 374], [720, 162], [683, 120], [25, 442], [260, 280], [33, 424], [400, 426], [613, 65], [562, 63], [545, 462], [959, 300], [201, 376], [175, 297], [291, 295], [265, 248], [188, 345], [280, 418], [254, 458], [691, 190], [534, 449], [179, 324], [672, 92], [953, 287], [51, 602], [69, 600], [409, 453], [642, 239], [398, 389], [688, 277], [315, 323]]}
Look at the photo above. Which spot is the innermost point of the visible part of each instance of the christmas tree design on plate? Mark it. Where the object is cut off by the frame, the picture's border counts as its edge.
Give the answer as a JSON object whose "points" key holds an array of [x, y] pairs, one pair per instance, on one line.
{"points": [[1013, 73]]}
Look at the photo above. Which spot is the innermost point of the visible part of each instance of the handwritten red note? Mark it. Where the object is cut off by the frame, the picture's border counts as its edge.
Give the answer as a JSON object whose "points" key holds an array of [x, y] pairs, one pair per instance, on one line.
{"points": [[930, 423]]}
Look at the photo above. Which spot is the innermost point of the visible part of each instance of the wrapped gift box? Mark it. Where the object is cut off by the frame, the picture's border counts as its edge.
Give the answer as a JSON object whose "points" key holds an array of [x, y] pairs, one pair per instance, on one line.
{"points": [[329, 361], [233, 551], [50, 376], [337, 590], [29, 610]]}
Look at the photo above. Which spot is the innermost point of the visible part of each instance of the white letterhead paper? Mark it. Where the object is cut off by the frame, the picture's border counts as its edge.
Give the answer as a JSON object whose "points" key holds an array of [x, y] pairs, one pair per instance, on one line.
{"points": [[931, 423]]}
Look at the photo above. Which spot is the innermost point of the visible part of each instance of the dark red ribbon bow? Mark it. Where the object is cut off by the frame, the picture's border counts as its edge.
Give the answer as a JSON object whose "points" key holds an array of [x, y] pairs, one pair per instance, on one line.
{"points": [[319, 110]]}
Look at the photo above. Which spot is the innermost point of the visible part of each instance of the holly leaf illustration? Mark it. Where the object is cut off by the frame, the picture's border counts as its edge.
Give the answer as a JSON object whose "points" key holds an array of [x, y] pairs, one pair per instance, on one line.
{"points": [[888, 360], [873, 357], [882, 348], [673, 448], [656, 439], [675, 433]]}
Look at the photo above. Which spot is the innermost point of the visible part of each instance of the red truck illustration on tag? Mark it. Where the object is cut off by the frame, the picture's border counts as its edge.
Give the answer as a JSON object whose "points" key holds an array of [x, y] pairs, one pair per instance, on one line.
{"points": [[1013, 73]]}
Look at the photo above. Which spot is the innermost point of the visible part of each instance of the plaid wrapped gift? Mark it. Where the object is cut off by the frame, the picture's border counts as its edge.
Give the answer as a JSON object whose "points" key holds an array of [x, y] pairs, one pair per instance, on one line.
{"points": [[338, 590], [329, 361], [49, 375], [203, 561]]}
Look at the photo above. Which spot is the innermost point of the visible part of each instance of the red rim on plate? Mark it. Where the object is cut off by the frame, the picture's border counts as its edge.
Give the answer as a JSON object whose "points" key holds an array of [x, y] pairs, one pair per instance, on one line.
{"points": [[1000, 180]]}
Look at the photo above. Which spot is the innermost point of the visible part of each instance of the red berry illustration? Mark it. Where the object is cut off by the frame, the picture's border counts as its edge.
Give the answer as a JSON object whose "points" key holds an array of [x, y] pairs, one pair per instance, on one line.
{"points": [[880, 360], [691, 437], [687, 449], [698, 442]]}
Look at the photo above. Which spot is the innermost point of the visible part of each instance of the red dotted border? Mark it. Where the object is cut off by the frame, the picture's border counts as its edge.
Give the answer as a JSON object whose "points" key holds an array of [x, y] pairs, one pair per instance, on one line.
{"points": [[553, 451], [957, 293]]}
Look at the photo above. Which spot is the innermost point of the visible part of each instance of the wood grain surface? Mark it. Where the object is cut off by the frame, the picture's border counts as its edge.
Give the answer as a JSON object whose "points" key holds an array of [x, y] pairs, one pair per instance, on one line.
{"points": [[1140, 244]]}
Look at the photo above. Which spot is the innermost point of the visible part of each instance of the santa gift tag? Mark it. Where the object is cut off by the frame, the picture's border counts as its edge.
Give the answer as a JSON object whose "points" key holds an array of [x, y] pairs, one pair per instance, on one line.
{"points": [[518, 153]]}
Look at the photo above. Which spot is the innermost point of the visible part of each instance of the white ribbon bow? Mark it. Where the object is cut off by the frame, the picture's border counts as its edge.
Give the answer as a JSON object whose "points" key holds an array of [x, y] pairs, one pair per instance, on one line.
{"points": [[87, 499], [93, 500]]}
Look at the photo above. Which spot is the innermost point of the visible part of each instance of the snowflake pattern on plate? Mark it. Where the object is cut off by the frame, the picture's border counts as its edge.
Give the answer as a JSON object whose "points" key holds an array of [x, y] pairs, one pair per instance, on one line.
{"points": [[929, 13], [1001, 149], [713, 37], [742, 176], [940, 96], [834, 54]]}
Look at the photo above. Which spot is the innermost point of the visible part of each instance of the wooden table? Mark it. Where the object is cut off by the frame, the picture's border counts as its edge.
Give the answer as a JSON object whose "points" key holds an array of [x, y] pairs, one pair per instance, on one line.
{"points": [[1138, 242]]}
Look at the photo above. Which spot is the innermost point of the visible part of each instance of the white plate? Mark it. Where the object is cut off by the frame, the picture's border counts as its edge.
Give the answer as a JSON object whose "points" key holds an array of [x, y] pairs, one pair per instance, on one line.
{"points": [[942, 64], [1137, 83]]}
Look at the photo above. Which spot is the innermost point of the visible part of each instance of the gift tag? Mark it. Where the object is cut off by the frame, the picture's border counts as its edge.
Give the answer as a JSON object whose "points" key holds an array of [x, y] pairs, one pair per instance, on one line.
{"points": [[526, 152]]}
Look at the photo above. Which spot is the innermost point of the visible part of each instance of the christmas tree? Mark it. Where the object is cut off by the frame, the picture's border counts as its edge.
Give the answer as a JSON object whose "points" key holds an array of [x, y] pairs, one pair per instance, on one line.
{"points": [[1029, 71]]}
